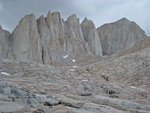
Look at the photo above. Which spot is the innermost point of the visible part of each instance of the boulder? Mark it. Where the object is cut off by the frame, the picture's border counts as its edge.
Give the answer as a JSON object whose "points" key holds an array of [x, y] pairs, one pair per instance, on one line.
{"points": [[11, 107], [120, 103]]}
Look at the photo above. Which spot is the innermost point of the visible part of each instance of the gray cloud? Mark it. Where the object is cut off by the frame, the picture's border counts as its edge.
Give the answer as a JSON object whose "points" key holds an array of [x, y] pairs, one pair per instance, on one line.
{"points": [[100, 11]]}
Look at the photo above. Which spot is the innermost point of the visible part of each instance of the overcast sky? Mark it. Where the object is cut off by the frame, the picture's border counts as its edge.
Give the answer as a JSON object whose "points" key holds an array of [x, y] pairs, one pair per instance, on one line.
{"points": [[100, 11]]}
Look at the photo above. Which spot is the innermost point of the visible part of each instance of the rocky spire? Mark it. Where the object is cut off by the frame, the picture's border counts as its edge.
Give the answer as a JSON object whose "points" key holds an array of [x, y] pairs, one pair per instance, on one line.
{"points": [[5, 51], [45, 37], [51, 31], [74, 28], [25, 40], [91, 36]]}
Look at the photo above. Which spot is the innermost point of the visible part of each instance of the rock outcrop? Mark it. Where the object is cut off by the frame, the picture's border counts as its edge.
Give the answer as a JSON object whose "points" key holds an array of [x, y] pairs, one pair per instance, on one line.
{"points": [[5, 51], [60, 38], [90, 35], [48, 39], [73, 34], [25, 40], [119, 36]]}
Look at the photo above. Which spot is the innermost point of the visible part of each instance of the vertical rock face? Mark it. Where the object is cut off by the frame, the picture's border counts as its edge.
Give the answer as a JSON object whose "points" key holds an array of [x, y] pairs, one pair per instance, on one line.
{"points": [[48, 39], [90, 35], [25, 40], [51, 31], [5, 51], [74, 27], [45, 37], [120, 35], [60, 38], [74, 38]]}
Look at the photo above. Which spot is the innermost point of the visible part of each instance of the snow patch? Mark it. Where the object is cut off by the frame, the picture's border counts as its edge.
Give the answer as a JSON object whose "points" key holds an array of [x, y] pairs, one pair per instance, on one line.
{"points": [[85, 80], [5, 73], [74, 66], [72, 70], [73, 60], [40, 97], [65, 56], [132, 87]]}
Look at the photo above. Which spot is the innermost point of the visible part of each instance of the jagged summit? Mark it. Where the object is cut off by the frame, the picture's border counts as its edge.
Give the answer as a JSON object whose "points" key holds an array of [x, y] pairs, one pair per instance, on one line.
{"points": [[47, 39], [86, 20], [123, 20], [72, 17], [90, 35]]}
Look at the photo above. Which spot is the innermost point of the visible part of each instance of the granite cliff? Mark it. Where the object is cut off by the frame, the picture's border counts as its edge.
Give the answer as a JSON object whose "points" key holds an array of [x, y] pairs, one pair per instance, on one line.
{"points": [[119, 36], [4, 44], [48, 39], [48, 65]]}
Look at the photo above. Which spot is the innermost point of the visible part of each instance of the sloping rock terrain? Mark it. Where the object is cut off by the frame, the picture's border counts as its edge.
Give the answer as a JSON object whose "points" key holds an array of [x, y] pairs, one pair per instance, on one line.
{"points": [[48, 65]]}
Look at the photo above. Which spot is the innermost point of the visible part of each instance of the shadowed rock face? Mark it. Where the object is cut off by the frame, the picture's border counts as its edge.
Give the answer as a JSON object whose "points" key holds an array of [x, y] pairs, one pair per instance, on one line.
{"points": [[119, 36], [4, 44]]}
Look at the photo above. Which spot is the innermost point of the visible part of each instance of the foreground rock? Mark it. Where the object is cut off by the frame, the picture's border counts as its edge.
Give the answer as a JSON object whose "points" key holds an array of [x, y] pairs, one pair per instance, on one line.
{"points": [[132, 69], [120, 103], [44, 89], [11, 107]]}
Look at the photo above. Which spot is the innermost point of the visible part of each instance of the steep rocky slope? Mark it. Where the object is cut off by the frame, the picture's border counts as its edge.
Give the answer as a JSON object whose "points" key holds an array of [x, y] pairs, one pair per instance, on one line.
{"points": [[119, 85], [138, 46], [119, 35]]}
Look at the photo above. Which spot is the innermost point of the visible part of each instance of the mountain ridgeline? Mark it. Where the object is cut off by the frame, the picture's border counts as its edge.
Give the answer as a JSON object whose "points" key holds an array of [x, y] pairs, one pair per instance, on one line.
{"points": [[48, 39]]}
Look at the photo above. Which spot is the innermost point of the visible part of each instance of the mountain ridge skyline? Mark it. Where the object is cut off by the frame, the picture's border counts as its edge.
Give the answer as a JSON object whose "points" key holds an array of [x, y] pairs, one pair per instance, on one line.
{"points": [[80, 21], [100, 11]]}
